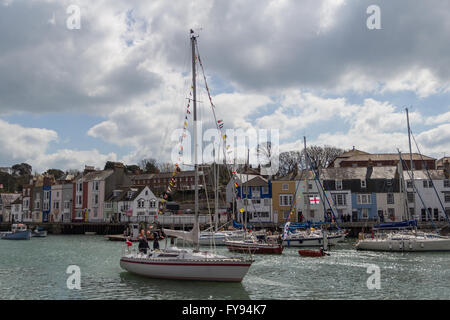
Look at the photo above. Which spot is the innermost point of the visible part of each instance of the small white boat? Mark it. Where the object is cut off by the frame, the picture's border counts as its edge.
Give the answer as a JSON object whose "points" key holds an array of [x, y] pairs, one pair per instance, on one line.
{"points": [[312, 238], [39, 233]]}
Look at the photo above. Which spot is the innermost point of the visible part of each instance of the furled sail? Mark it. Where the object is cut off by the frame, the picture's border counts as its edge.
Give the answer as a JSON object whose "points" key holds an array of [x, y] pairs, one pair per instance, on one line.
{"points": [[191, 236]]}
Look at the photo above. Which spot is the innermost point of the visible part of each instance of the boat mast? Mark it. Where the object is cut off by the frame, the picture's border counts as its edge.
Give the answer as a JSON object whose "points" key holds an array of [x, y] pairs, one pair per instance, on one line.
{"points": [[411, 163], [194, 96], [306, 180]]}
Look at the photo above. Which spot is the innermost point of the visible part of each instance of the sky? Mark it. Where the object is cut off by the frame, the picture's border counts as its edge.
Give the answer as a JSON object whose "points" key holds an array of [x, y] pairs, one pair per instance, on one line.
{"points": [[112, 82]]}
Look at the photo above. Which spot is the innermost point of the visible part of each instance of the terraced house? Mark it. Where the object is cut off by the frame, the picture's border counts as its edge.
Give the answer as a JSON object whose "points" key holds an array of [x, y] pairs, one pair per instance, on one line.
{"points": [[91, 188]]}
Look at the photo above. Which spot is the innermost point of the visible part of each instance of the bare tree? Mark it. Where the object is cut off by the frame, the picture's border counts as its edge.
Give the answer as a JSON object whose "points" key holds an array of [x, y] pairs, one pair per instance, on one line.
{"points": [[264, 152], [289, 161], [321, 157], [166, 167], [149, 165]]}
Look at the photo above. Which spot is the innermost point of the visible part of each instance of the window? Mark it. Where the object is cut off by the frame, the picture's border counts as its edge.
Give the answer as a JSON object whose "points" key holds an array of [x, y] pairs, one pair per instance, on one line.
{"points": [[46, 195], [55, 204], [265, 190], [446, 196], [285, 199], [95, 212], [389, 182], [66, 205], [285, 187], [390, 198], [286, 214], [391, 213], [311, 213], [410, 196], [363, 184], [96, 199], [146, 192], [153, 203], [266, 202], [80, 187], [95, 185], [364, 199], [409, 184], [338, 184], [256, 201], [79, 200], [447, 183], [436, 214], [428, 183], [141, 203], [365, 213], [339, 199]]}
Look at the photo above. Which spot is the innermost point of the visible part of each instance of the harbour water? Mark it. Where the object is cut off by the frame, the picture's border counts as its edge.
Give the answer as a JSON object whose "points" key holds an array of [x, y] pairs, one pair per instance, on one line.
{"points": [[36, 269]]}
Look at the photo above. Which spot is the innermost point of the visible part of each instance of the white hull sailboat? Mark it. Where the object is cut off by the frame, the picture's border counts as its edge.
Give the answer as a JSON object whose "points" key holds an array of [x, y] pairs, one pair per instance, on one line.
{"points": [[406, 242], [187, 264]]}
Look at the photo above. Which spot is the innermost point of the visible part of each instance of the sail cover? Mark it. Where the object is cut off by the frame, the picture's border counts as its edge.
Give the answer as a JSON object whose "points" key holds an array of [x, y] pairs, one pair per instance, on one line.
{"points": [[191, 236]]}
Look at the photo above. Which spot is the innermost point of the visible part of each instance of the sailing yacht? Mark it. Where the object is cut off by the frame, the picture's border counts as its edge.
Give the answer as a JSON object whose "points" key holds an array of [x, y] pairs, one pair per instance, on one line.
{"points": [[406, 238], [185, 264]]}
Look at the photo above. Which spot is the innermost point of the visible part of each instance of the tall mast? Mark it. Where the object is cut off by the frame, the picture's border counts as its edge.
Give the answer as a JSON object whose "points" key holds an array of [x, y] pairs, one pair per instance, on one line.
{"points": [[411, 163], [194, 96], [306, 214]]}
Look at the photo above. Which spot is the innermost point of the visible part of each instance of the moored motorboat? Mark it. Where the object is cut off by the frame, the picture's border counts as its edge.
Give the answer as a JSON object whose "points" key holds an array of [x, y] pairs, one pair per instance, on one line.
{"points": [[39, 233], [18, 232], [246, 246]]}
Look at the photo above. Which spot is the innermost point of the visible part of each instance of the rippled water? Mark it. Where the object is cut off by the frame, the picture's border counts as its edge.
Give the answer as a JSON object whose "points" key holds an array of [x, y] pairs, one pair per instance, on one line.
{"points": [[36, 269]]}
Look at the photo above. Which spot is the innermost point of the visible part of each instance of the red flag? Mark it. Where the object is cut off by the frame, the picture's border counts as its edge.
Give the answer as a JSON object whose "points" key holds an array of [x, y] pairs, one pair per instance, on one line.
{"points": [[128, 242]]}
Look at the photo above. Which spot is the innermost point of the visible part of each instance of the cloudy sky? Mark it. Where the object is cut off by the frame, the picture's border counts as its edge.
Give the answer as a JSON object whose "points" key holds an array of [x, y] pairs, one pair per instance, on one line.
{"points": [[116, 88]]}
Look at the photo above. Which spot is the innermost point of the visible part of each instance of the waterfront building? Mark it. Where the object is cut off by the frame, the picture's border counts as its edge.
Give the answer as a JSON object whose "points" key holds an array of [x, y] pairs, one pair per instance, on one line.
{"points": [[37, 196], [16, 210], [436, 201], [92, 187], [356, 158], [158, 182], [255, 197], [283, 199], [27, 202], [137, 203], [6, 200]]}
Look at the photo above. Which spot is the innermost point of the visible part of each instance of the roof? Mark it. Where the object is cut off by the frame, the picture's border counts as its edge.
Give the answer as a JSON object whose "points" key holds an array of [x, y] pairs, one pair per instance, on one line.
{"points": [[17, 201], [94, 176], [145, 176], [386, 157], [346, 173], [422, 175], [124, 194], [257, 181]]}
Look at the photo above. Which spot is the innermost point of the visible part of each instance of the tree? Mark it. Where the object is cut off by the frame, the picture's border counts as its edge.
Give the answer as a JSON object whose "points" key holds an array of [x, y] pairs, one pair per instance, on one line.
{"points": [[109, 165], [55, 173], [149, 165], [22, 169], [133, 169], [264, 152], [166, 167], [321, 157], [288, 162]]}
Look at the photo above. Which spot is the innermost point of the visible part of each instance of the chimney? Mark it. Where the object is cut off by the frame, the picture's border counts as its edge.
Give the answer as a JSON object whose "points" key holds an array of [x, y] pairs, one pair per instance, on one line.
{"points": [[88, 169]]}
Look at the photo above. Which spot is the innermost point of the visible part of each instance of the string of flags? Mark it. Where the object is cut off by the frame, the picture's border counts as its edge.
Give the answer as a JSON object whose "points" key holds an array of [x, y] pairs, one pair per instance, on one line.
{"points": [[172, 181]]}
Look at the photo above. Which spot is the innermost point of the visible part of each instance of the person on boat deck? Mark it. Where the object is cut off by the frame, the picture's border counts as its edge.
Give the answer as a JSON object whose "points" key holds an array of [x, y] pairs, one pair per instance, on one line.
{"points": [[143, 243], [156, 238]]}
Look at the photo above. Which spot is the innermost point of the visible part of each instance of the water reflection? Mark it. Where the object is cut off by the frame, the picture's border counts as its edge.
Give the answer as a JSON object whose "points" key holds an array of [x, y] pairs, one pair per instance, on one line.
{"points": [[150, 288]]}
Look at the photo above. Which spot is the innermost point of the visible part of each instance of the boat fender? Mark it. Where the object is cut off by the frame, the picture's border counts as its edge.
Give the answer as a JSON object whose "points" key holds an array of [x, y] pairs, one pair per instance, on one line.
{"points": [[421, 245], [390, 246]]}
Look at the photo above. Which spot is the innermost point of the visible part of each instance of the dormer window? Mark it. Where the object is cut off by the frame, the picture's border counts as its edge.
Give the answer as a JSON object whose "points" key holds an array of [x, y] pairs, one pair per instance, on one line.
{"points": [[363, 184], [338, 184]]}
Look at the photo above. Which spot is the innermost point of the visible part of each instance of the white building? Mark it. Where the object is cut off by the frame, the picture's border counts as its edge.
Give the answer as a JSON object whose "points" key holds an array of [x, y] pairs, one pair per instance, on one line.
{"points": [[137, 204], [430, 203]]}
